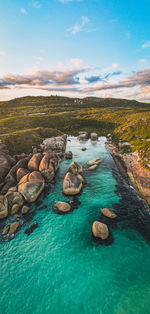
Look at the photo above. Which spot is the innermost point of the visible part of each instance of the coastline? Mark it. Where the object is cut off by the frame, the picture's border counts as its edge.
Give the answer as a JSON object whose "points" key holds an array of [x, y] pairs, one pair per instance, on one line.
{"points": [[132, 171]]}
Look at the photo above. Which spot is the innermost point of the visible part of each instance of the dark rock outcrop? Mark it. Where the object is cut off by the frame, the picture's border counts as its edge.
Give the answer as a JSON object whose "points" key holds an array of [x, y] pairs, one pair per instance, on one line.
{"points": [[68, 155]]}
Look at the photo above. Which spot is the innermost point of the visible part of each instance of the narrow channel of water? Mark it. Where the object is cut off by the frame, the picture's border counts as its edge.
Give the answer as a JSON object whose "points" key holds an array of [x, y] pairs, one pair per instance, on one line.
{"points": [[59, 269]]}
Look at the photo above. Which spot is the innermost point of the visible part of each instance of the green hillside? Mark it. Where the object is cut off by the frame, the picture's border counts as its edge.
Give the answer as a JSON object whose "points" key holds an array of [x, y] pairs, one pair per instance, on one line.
{"points": [[26, 121]]}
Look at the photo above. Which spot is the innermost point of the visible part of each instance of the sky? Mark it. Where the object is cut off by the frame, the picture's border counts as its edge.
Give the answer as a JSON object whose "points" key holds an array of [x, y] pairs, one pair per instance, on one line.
{"points": [[75, 48]]}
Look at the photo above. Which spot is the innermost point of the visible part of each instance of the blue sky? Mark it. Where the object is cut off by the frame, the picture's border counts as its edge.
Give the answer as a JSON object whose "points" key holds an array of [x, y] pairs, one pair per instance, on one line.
{"points": [[75, 48]]}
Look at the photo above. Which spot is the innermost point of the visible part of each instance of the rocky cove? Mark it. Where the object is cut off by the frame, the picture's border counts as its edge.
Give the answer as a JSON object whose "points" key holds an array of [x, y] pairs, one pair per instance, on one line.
{"points": [[60, 263], [24, 177]]}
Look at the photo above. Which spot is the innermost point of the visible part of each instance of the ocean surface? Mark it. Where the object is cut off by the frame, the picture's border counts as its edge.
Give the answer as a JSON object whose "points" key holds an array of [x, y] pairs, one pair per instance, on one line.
{"points": [[59, 269]]}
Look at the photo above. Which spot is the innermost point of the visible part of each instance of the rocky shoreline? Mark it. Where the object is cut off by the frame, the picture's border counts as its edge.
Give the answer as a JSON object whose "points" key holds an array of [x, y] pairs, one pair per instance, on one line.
{"points": [[23, 178], [132, 171]]}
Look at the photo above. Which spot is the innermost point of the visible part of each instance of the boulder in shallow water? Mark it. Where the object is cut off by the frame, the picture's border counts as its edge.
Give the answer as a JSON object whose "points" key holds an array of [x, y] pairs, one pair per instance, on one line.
{"points": [[29, 230], [75, 168], [83, 136], [108, 213], [95, 161], [68, 155], [72, 185], [92, 167], [62, 207], [100, 230], [31, 186], [94, 137], [5, 230], [13, 227], [83, 149], [3, 207]]}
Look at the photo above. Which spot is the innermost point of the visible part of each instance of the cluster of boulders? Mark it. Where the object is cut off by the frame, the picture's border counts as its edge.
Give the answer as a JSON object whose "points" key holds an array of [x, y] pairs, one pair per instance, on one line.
{"points": [[93, 164], [100, 231], [73, 181], [84, 136], [23, 178]]}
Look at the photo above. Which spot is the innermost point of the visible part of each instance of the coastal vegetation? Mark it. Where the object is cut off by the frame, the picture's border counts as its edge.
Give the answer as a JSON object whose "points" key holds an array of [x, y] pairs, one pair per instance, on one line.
{"points": [[26, 121]]}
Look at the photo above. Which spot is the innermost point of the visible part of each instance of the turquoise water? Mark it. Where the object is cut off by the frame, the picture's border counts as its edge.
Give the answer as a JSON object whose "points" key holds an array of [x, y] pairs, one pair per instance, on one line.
{"points": [[59, 269]]}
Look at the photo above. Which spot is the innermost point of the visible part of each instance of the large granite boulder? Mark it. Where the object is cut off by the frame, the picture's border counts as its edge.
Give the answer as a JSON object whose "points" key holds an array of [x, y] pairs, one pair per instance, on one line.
{"points": [[72, 185], [21, 172], [75, 168], [46, 167], [94, 136], [100, 230], [31, 186], [33, 164], [83, 136], [3, 207], [57, 144]]}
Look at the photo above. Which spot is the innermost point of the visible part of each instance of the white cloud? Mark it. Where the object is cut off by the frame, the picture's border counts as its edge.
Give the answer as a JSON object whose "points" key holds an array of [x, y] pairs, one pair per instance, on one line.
{"points": [[23, 11], [36, 4], [146, 45], [115, 65], [143, 61], [67, 1], [2, 53], [79, 27]]}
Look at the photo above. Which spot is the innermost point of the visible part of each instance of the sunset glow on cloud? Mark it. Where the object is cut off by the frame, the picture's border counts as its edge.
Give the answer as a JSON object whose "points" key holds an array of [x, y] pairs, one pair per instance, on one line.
{"points": [[75, 48]]}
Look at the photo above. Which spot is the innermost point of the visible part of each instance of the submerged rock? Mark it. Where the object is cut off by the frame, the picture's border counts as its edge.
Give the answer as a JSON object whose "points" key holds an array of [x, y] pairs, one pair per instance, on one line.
{"points": [[29, 230], [72, 185], [62, 207], [31, 186], [83, 149], [108, 213], [100, 230]]}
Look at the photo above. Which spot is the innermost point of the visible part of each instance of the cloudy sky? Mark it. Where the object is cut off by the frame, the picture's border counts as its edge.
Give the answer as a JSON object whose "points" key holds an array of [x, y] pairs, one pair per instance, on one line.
{"points": [[76, 48]]}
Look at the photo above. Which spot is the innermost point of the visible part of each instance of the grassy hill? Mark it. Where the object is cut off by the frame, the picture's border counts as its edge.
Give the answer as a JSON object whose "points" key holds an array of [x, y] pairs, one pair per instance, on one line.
{"points": [[26, 121]]}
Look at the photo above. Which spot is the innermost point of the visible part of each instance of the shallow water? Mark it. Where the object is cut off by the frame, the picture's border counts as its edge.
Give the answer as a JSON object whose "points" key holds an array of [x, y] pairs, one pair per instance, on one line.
{"points": [[59, 269]]}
